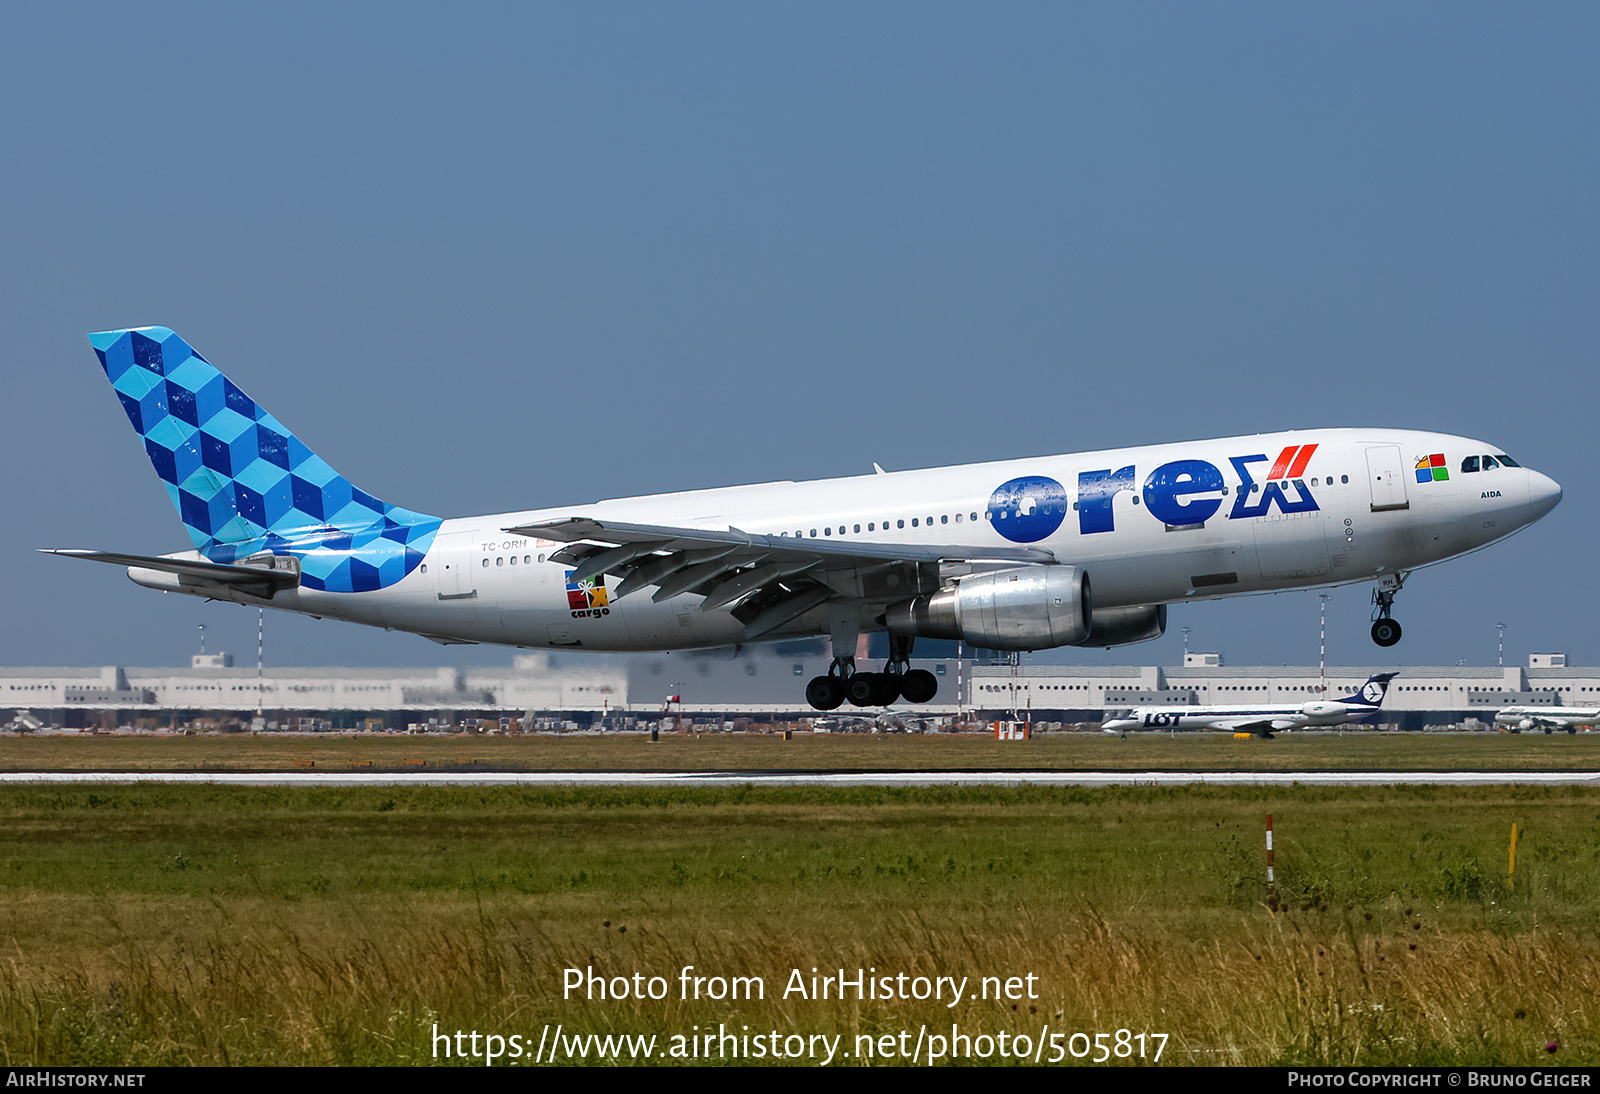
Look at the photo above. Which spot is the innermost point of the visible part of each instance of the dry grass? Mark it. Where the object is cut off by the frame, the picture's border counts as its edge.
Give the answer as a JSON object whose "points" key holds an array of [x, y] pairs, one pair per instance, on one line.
{"points": [[246, 983]]}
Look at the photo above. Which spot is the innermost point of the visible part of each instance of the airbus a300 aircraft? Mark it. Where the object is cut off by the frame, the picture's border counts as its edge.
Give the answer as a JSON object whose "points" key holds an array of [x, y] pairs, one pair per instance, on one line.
{"points": [[1363, 706], [1079, 550]]}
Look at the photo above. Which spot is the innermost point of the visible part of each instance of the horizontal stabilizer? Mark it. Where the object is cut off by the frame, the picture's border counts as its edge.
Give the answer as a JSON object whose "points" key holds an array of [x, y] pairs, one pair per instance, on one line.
{"points": [[274, 573]]}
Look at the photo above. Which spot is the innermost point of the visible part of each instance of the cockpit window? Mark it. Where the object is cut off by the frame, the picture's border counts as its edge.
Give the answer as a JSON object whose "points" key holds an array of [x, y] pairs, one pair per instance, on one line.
{"points": [[1488, 462], [1469, 464], [1508, 461]]}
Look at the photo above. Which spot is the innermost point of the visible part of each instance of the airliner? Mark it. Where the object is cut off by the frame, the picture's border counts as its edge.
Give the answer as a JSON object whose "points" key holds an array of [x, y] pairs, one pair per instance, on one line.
{"points": [[1518, 719], [1261, 720], [1027, 554]]}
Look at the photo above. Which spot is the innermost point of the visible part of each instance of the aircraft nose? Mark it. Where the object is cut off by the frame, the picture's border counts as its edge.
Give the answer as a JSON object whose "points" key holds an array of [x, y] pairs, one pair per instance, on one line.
{"points": [[1543, 494]]}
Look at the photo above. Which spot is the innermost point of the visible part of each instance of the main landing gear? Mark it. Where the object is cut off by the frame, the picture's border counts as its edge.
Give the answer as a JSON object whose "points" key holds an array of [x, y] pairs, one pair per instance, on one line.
{"points": [[1386, 629], [898, 680]]}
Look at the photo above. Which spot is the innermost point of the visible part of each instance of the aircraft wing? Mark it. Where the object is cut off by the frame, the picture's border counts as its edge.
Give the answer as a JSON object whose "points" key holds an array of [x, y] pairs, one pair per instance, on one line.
{"points": [[578, 529], [1258, 725], [260, 580], [1534, 721], [764, 580]]}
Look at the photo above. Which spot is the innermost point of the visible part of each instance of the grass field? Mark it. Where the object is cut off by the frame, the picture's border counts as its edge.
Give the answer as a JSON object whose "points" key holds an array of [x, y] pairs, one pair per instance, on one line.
{"points": [[808, 752], [162, 924]]}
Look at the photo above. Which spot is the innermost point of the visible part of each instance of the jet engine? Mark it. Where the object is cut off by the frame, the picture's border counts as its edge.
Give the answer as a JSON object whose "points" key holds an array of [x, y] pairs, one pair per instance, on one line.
{"points": [[1032, 608], [1122, 626]]}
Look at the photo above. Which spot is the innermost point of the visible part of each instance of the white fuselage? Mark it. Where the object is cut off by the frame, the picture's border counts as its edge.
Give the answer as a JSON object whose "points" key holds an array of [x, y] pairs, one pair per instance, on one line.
{"points": [[1239, 717], [1546, 717], [1150, 525]]}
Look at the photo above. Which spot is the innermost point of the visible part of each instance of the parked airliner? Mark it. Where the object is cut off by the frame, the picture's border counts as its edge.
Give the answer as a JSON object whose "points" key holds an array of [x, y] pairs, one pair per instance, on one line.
{"points": [[1074, 550], [1518, 719], [1259, 719]]}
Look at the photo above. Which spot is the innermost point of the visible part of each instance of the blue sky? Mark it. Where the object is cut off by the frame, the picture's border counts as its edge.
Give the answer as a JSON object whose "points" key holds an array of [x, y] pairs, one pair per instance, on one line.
{"points": [[502, 256]]}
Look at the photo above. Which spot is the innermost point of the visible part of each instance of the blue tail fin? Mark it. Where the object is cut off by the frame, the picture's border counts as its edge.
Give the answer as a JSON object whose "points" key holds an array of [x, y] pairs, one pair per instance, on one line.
{"points": [[1372, 692], [244, 484]]}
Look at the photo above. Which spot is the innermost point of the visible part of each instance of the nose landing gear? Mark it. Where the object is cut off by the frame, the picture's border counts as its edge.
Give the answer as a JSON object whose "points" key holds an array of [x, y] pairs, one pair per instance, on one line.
{"points": [[1386, 629]]}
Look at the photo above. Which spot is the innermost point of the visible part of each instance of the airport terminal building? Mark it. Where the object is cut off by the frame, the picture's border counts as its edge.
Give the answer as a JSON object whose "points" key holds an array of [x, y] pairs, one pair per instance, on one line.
{"points": [[722, 685], [213, 688]]}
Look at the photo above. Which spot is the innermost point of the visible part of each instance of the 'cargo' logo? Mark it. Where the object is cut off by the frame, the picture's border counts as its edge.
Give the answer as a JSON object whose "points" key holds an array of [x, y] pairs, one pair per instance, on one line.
{"points": [[588, 597]]}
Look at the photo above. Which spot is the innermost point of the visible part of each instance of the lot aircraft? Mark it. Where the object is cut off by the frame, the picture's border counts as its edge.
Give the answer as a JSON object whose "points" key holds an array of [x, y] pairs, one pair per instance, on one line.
{"points": [[1075, 550], [1262, 720]]}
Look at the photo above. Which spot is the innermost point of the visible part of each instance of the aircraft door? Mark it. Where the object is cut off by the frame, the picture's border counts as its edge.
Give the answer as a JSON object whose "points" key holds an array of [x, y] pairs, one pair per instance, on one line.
{"points": [[454, 552], [1386, 477]]}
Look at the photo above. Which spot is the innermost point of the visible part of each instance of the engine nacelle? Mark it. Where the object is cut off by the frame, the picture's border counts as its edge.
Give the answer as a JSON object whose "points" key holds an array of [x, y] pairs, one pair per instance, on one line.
{"points": [[1122, 626], [1033, 608]]}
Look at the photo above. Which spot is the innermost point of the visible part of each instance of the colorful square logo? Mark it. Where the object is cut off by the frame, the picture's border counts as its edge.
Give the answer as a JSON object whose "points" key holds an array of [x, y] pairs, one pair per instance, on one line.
{"points": [[1432, 469], [583, 595]]}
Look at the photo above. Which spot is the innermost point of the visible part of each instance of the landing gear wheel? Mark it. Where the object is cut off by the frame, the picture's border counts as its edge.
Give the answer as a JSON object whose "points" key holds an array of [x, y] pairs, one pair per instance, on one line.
{"points": [[1386, 632], [918, 686], [865, 689], [825, 692]]}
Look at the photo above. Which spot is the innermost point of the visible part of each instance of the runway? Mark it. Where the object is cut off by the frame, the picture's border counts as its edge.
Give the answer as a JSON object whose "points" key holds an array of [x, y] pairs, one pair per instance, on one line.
{"points": [[820, 778]]}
